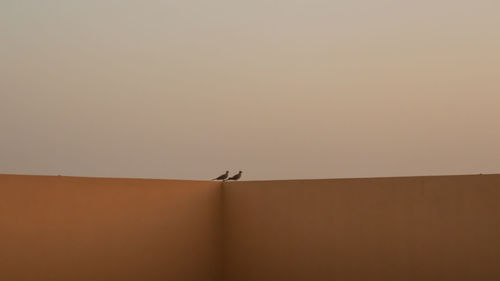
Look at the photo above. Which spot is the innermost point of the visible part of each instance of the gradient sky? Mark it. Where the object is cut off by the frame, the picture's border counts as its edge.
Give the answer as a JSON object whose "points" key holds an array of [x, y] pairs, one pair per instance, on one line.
{"points": [[280, 89]]}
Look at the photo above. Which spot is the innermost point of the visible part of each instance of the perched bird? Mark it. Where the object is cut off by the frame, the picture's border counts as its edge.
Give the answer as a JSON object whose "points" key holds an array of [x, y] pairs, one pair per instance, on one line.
{"points": [[235, 177], [222, 177]]}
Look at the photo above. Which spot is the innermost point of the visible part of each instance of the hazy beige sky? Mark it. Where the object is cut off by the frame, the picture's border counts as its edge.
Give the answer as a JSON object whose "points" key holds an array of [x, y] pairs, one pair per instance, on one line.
{"points": [[279, 89]]}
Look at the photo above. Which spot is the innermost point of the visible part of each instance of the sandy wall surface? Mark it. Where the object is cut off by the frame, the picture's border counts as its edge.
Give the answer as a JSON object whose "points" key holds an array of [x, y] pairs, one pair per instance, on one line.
{"points": [[415, 228], [95, 229]]}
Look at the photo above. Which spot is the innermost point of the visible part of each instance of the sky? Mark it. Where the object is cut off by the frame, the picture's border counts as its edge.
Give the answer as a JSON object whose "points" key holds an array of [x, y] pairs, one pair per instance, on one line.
{"points": [[279, 89]]}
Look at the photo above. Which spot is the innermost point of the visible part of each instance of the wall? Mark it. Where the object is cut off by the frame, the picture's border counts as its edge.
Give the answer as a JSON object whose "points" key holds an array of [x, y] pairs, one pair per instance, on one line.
{"points": [[69, 229], [415, 228], [81, 229]]}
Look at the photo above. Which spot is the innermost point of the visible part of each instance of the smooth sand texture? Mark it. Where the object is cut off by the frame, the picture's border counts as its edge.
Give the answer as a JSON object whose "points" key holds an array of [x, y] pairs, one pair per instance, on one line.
{"points": [[416, 228], [94, 229]]}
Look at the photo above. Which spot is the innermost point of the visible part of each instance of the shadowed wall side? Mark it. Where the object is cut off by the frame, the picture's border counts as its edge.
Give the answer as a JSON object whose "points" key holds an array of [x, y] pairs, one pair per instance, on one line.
{"points": [[68, 229], [414, 228]]}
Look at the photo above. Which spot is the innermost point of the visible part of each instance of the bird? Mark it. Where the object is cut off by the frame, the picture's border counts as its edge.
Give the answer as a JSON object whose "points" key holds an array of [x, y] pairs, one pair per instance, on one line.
{"points": [[235, 177], [222, 177]]}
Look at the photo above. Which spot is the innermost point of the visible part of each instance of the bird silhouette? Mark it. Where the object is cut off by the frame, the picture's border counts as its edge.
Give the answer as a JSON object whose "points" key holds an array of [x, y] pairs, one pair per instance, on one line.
{"points": [[222, 177], [235, 177]]}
